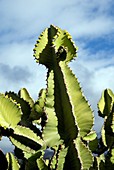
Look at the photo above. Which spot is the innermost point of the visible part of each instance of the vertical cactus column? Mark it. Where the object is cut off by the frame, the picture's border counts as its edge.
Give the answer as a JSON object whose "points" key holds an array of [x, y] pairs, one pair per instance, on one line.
{"points": [[70, 117], [106, 111]]}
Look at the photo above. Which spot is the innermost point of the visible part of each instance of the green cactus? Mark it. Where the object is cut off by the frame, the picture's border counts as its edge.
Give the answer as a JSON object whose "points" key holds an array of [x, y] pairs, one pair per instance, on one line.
{"points": [[103, 147], [10, 112], [12, 162], [16, 124], [60, 119], [70, 118]]}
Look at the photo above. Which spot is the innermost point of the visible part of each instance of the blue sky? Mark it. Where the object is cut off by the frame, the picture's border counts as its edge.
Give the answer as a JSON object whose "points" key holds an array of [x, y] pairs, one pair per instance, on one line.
{"points": [[91, 24]]}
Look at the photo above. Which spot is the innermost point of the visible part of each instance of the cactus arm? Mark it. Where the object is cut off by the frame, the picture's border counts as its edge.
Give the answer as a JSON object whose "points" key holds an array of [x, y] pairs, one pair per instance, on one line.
{"points": [[84, 153], [41, 164], [10, 112], [63, 108], [23, 93], [61, 157], [38, 107], [64, 40], [25, 106], [90, 136], [105, 103], [25, 139], [50, 132], [106, 110], [81, 109], [12, 162]]}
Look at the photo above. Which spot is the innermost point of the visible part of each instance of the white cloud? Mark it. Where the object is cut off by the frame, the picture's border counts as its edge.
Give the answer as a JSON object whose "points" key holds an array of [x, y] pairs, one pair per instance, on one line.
{"points": [[22, 19], [15, 74], [18, 53], [95, 70], [18, 57]]}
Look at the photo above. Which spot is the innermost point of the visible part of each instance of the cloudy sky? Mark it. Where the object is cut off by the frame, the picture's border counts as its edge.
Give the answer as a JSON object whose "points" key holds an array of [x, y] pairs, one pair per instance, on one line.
{"points": [[91, 24]]}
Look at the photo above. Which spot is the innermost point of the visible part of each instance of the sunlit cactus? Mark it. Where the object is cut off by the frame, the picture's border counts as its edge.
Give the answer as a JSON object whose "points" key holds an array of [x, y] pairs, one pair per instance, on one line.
{"points": [[55, 132]]}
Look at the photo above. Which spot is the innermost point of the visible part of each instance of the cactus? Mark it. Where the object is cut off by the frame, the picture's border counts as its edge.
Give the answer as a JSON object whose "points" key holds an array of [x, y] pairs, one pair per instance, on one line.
{"points": [[106, 110], [70, 117], [60, 119], [12, 162]]}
